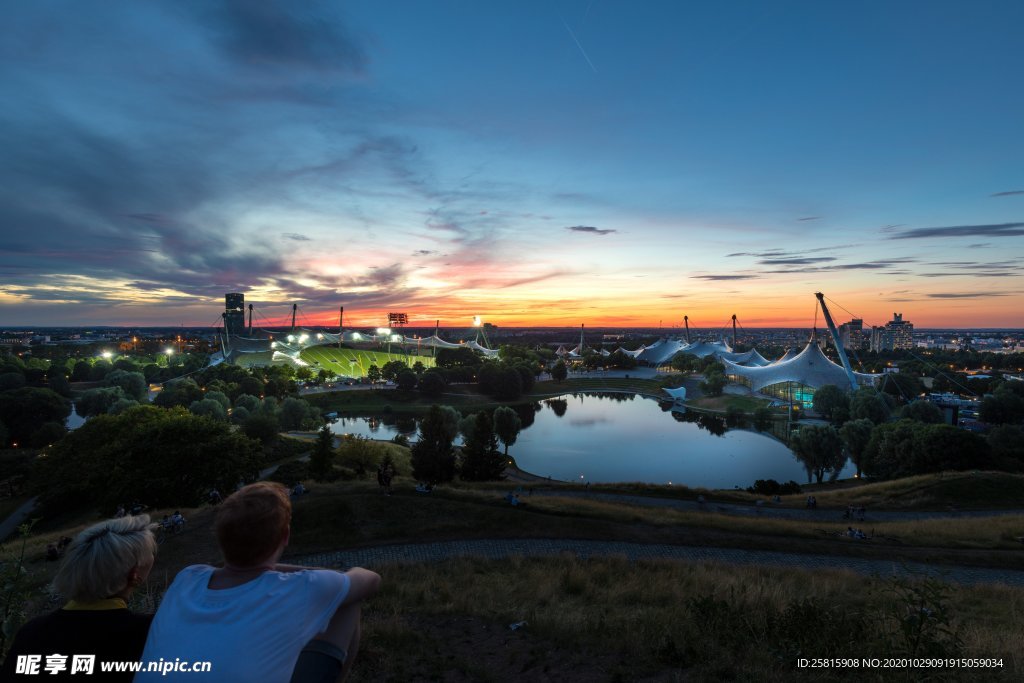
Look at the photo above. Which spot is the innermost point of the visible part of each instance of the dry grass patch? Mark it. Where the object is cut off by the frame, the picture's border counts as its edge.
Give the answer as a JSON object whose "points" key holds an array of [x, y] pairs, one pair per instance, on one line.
{"points": [[703, 621]]}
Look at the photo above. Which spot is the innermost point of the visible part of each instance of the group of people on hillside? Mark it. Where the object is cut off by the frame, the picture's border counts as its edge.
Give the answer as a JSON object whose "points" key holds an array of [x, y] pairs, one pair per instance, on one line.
{"points": [[385, 473], [252, 619]]}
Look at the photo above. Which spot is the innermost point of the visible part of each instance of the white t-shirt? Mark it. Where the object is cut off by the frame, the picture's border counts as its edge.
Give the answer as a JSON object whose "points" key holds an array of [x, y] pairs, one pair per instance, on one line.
{"points": [[252, 632]]}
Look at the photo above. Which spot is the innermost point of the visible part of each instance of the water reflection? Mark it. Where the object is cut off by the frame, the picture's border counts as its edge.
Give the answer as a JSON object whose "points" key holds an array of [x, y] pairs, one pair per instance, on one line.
{"points": [[625, 437]]}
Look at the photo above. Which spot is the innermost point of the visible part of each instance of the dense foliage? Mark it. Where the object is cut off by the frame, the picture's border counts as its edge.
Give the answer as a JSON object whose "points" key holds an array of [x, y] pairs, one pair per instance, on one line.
{"points": [[155, 456]]}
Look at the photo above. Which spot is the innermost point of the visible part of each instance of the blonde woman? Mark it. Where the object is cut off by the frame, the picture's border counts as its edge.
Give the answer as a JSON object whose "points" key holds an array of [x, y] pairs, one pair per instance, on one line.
{"points": [[102, 567]]}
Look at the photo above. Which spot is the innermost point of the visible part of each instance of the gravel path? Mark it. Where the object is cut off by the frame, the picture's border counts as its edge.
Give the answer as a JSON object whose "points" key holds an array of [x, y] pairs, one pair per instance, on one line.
{"points": [[499, 549]]}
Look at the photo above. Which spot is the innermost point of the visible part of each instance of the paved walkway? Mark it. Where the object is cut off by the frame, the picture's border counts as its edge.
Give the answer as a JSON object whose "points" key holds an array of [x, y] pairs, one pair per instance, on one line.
{"points": [[14, 520], [771, 510], [499, 549]]}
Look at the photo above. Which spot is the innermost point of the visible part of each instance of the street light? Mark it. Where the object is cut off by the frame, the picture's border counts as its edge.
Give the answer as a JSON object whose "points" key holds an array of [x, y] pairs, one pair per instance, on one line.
{"points": [[107, 355]]}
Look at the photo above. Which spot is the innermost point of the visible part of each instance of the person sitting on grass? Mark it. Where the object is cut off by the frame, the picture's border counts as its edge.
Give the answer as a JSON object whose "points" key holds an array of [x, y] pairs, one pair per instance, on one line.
{"points": [[102, 566], [255, 619]]}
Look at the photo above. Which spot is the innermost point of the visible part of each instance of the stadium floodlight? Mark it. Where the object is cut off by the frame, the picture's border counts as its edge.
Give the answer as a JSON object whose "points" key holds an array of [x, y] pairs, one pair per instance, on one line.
{"points": [[356, 336], [291, 337], [396, 337], [303, 337], [169, 352], [107, 354], [319, 336], [383, 330], [273, 345], [477, 322]]}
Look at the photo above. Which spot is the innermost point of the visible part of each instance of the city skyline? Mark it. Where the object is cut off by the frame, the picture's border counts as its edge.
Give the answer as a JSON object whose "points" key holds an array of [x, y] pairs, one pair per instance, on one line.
{"points": [[537, 164]]}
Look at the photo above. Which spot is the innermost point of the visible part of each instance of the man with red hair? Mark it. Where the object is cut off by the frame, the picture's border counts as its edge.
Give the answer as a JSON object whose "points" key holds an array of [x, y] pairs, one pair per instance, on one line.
{"points": [[253, 617]]}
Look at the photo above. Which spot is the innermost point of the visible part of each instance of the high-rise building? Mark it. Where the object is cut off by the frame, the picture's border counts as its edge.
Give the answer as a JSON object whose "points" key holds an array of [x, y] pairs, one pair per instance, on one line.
{"points": [[851, 334], [897, 334], [234, 313]]}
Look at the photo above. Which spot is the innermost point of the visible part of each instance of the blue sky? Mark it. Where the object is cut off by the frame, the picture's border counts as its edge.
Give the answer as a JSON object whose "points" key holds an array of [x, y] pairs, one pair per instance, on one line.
{"points": [[532, 162]]}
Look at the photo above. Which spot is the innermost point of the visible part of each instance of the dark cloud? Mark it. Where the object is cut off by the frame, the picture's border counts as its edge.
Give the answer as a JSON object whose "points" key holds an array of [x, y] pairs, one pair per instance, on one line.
{"points": [[423, 252], [297, 237], [807, 260], [723, 277], [995, 230], [289, 34], [591, 229], [1006, 194], [979, 245]]}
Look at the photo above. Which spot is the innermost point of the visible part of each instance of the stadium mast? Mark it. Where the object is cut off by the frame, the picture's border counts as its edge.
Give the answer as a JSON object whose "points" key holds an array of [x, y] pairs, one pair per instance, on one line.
{"points": [[250, 320], [686, 321], [835, 338], [341, 323], [733, 330], [295, 307]]}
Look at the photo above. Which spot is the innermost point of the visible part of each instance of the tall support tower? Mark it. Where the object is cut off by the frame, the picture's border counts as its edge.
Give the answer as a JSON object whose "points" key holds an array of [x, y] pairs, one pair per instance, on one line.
{"points": [[835, 338], [686, 321], [234, 313]]}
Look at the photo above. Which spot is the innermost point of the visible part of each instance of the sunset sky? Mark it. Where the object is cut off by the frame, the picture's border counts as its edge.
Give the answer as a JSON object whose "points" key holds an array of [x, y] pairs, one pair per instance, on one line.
{"points": [[535, 163]]}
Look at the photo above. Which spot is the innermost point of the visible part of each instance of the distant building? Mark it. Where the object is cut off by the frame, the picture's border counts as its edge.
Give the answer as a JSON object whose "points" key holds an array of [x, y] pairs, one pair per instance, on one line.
{"points": [[234, 313], [851, 335], [897, 334]]}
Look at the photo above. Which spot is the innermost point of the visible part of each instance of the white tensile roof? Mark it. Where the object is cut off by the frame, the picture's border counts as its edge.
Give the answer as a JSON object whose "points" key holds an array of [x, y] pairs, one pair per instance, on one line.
{"points": [[749, 358], [676, 394], [810, 367]]}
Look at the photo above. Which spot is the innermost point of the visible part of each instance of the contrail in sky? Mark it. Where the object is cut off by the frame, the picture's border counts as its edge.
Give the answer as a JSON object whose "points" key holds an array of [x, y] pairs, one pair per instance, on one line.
{"points": [[576, 40]]}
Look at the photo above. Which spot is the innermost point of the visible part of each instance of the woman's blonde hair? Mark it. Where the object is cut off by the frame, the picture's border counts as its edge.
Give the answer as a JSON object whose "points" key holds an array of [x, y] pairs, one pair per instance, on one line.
{"points": [[97, 563]]}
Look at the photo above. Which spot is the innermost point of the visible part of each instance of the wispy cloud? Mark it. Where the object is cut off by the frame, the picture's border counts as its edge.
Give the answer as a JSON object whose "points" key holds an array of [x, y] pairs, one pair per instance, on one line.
{"points": [[295, 236], [591, 229], [723, 277], [809, 218], [1007, 193], [994, 230], [967, 295]]}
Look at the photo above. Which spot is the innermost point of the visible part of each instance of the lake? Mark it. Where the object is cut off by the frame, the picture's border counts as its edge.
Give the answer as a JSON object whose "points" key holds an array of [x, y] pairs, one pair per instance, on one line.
{"points": [[626, 437]]}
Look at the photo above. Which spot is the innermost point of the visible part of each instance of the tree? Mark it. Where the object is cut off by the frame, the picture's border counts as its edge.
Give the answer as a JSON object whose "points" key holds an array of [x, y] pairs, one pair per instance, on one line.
{"points": [[820, 450], [433, 458], [373, 374], [11, 380], [922, 411], [247, 401], [855, 435], [869, 404], [456, 358], [59, 384], [98, 401], [133, 384], [507, 425], [432, 383], [81, 371], [262, 427], [293, 412], [304, 374], [164, 458], [419, 368], [714, 381], [406, 380], [509, 384], [1002, 406], [1007, 445], [47, 434], [358, 453], [828, 398], [685, 362], [121, 405], [481, 460], [210, 408], [321, 460], [903, 385], [27, 409], [180, 392], [558, 371], [391, 369]]}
